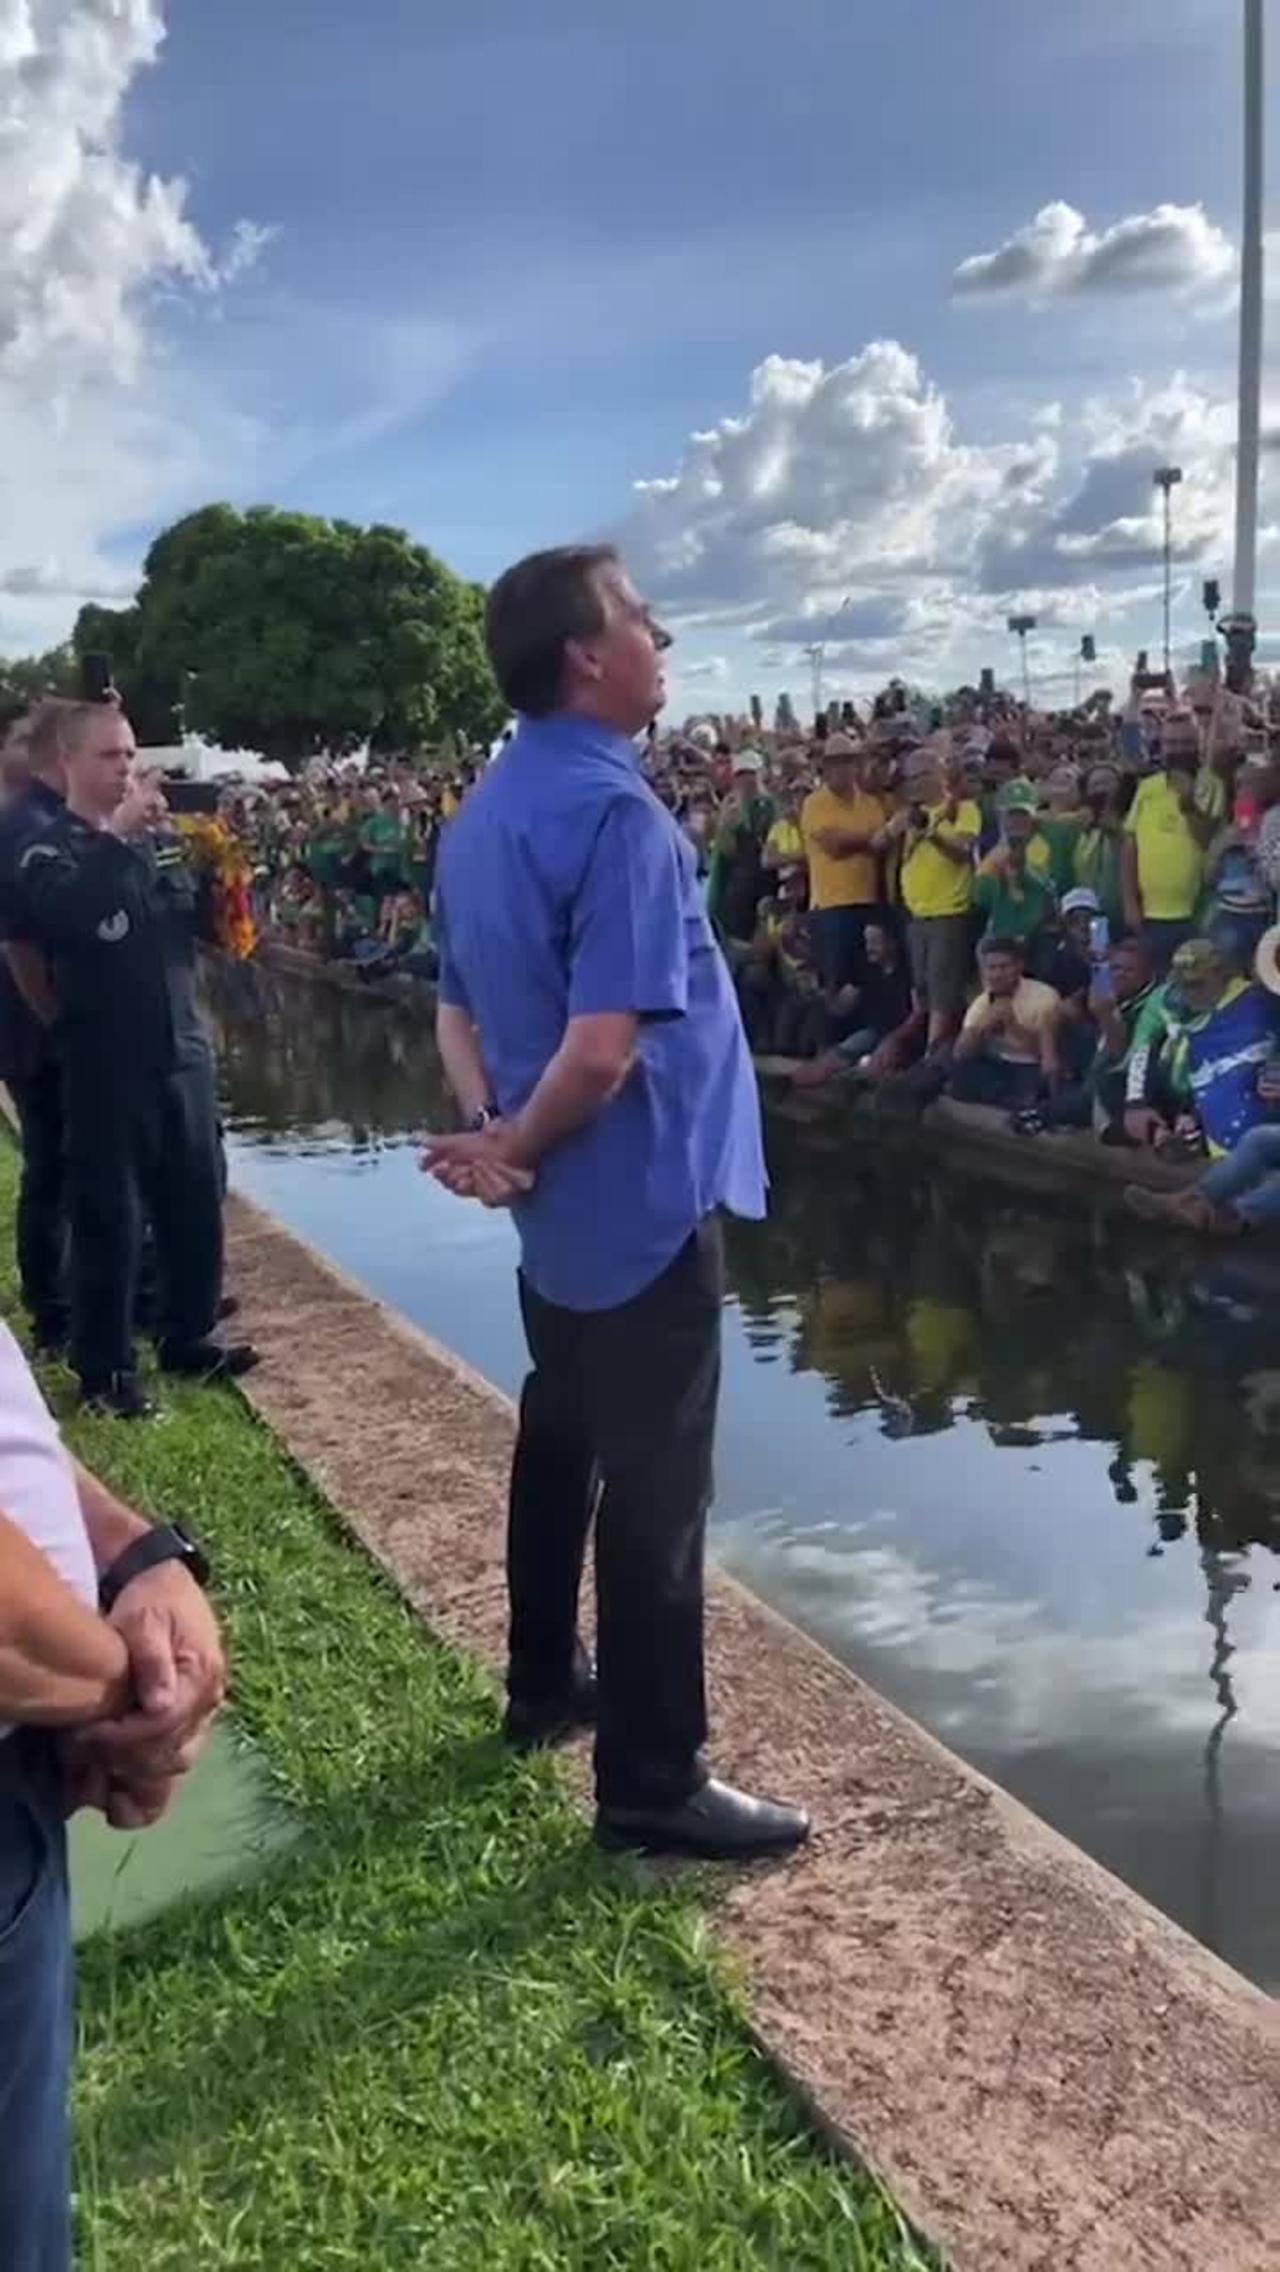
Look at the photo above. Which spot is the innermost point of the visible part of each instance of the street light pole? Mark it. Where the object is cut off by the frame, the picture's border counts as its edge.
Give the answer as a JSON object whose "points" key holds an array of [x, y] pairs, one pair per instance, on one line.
{"points": [[1020, 625], [1241, 629], [815, 655], [1166, 479]]}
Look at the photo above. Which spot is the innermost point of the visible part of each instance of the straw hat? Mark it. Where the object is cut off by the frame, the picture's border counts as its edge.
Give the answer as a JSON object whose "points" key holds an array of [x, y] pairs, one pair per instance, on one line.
{"points": [[1266, 961]]}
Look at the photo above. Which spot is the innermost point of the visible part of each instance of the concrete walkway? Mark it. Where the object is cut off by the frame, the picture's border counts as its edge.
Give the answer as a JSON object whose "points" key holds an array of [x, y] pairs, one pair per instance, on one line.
{"points": [[1047, 2073]]}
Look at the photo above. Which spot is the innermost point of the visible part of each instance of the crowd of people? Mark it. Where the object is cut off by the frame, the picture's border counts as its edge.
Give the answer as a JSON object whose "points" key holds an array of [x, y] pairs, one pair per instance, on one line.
{"points": [[343, 862], [1068, 919], [1065, 917]]}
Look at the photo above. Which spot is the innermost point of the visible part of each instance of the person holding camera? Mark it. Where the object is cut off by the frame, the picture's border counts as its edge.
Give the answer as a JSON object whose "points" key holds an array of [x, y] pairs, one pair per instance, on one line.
{"points": [[1175, 814], [106, 890], [936, 835]]}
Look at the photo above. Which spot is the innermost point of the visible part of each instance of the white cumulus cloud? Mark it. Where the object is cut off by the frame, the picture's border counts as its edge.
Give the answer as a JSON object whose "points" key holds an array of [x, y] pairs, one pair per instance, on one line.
{"points": [[94, 435], [842, 504], [1173, 248]]}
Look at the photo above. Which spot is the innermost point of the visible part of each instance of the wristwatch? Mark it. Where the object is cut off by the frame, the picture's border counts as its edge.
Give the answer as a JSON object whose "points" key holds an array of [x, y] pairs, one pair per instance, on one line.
{"points": [[166, 1542], [483, 1119]]}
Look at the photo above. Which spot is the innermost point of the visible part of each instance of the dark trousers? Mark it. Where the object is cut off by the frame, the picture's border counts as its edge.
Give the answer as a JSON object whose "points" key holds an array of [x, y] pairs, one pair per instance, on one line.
{"points": [[142, 1140], [42, 1196], [837, 935], [993, 1081], [1163, 935], [35, 2011], [617, 1419]]}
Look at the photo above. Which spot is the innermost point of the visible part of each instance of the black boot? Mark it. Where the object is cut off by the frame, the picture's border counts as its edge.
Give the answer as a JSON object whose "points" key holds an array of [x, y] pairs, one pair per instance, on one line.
{"points": [[121, 1396]]}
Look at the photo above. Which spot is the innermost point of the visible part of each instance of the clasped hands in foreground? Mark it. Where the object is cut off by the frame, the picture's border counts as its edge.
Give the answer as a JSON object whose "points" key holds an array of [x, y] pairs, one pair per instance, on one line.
{"points": [[480, 1165], [173, 1677]]}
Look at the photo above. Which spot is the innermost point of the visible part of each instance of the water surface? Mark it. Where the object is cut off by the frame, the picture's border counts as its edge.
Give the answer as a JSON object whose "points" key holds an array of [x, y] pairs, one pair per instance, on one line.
{"points": [[1018, 1465]]}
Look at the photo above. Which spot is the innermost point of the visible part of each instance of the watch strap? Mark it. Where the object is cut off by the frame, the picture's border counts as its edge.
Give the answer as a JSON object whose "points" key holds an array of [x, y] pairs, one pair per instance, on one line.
{"points": [[163, 1543]]}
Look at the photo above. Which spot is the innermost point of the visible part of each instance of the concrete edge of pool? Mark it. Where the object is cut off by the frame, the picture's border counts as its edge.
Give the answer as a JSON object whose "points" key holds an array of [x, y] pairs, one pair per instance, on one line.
{"points": [[971, 1137], [1045, 2070]]}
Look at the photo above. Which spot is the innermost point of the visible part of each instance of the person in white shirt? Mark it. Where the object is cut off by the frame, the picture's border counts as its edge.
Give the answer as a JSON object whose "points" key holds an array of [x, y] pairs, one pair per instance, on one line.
{"points": [[110, 1672]]}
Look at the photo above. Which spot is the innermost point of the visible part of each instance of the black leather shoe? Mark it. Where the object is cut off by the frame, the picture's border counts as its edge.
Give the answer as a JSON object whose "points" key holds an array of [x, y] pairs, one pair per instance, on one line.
{"points": [[120, 1397], [209, 1361], [538, 1727], [716, 1824]]}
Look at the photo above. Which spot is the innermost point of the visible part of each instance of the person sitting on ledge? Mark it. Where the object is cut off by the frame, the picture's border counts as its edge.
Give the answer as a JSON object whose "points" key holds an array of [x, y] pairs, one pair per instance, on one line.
{"points": [[1007, 1051], [881, 1010], [1238, 1193], [1231, 1052], [1129, 1017]]}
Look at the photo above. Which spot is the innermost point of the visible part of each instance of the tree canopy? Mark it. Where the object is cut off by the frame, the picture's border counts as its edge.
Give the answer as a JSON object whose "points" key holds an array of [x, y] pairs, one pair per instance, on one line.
{"points": [[26, 678], [289, 634]]}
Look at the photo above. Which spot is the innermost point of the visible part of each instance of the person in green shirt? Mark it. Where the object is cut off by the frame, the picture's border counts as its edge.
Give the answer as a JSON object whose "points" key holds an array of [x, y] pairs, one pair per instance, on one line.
{"points": [[324, 851], [1060, 825], [382, 839], [1128, 1092], [1012, 888], [737, 881], [1098, 853]]}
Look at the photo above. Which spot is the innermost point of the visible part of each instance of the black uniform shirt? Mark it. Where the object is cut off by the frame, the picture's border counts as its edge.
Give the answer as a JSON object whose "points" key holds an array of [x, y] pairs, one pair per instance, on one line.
{"points": [[118, 921], [26, 1045]]}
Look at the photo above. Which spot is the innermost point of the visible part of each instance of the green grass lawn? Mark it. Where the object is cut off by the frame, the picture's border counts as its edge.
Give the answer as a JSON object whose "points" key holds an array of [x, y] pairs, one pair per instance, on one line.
{"points": [[441, 2031]]}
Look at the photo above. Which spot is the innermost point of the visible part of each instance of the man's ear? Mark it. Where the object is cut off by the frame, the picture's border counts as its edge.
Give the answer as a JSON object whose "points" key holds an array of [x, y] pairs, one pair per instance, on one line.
{"points": [[587, 664]]}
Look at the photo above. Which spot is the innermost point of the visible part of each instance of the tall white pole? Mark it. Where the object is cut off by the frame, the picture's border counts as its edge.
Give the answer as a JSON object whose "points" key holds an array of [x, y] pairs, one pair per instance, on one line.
{"points": [[1242, 593], [1168, 575]]}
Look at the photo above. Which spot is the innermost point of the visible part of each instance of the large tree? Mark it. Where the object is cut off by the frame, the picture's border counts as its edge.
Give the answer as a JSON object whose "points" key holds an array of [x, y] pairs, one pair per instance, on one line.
{"points": [[288, 634], [27, 677]]}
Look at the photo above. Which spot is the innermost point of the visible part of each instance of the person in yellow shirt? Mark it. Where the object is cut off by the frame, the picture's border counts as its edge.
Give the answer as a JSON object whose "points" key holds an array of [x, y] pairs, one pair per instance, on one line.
{"points": [[938, 836], [1007, 1053], [1170, 825], [784, 852], [841, 822]]}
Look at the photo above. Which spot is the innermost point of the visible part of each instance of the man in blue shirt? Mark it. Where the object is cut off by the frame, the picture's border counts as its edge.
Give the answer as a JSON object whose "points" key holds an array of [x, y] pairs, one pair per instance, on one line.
{"points": [[591, 1036]]}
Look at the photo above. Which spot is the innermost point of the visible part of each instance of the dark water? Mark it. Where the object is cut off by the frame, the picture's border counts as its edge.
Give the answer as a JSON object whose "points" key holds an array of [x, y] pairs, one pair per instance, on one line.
{"points": [[1018, 1465]]}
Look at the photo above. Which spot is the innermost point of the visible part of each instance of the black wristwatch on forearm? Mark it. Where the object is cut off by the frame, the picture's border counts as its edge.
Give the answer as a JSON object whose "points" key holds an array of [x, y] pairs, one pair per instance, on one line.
{"points": [[482, 1119], [167, 1542]]}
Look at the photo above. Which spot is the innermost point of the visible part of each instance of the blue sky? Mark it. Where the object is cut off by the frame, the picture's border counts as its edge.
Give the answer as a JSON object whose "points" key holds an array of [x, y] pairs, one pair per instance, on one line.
{"points": [[517, 256]]}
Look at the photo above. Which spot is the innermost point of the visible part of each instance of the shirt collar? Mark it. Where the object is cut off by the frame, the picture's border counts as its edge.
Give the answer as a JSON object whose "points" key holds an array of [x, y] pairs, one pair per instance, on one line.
{"points": [[568, 734]]}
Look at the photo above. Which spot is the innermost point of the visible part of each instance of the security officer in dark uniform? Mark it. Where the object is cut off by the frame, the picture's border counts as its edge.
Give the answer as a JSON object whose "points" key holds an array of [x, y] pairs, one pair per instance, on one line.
{"points": [[111, 897], [30, 1064]]}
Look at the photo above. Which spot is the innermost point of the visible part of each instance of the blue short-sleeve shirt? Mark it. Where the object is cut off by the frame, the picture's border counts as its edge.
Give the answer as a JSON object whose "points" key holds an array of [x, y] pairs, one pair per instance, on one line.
{"points": [[565, 889]]}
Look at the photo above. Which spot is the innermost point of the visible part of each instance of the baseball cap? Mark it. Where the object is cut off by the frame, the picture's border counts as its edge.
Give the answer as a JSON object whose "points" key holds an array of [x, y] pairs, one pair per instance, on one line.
{"points": [[839, 749], [748, 761], [1019, 797], [1196, 959], [1081, 899]]}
